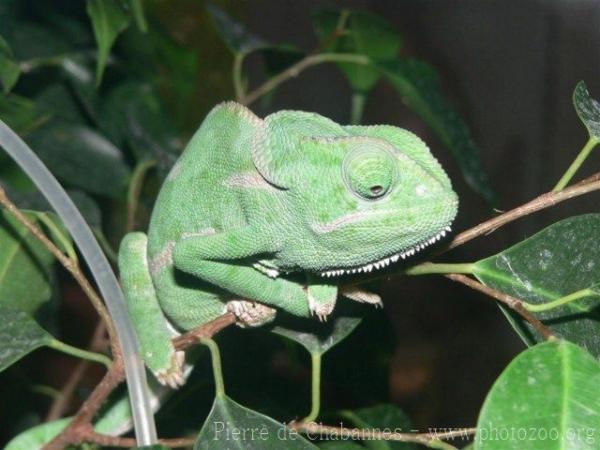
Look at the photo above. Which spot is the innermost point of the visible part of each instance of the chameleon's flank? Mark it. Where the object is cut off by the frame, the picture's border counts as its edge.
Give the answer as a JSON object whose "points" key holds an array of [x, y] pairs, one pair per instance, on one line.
{"points": [[252, 200]]}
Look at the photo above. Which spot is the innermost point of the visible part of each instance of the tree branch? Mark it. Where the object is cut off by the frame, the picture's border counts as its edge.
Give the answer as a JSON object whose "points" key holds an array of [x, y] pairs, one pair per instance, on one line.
{"points": [[80, 429], [543, 201], [513, 303], [295, 70]]}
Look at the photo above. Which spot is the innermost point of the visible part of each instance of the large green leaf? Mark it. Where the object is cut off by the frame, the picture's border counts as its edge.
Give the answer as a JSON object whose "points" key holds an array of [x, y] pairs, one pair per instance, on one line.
{"points": [[318, 337], [26, 267], [9, 68], [546, 399], [363, 34], [381, 417], [235, 35], [19, 335], [108, 20], [232, 426], [588, 110], [418, 85], [559, 260], [81, 157]]}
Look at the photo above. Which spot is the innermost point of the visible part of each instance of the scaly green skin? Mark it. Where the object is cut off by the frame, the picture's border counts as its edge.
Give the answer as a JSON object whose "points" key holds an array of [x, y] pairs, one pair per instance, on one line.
{"points": [[252, 200]]}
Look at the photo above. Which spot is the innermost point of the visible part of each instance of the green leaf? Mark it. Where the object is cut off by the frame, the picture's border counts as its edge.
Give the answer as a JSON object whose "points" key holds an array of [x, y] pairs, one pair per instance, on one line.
{"points": [[318, 337], [26, 267], [235, 35], [381, 417], [137, 10], [559, 260], [587, 109], [81, 157], [19, 335], [21, 114], [546, 399], [232, 426], [363, 34], [36, 437], [108, 20], [9, 68], [418, 85]]}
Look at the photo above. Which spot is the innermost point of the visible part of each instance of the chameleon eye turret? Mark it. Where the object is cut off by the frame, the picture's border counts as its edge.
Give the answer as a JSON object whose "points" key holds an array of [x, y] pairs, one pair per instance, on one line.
{"points": [[370, 170]]}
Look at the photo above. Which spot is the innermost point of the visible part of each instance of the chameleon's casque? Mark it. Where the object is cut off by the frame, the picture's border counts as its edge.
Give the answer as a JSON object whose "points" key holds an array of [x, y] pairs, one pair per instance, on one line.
{"points": [[251, 200]]}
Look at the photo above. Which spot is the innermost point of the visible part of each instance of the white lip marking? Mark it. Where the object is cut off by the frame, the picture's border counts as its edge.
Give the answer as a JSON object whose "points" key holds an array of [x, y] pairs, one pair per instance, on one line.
{"points": [[384, 262]]}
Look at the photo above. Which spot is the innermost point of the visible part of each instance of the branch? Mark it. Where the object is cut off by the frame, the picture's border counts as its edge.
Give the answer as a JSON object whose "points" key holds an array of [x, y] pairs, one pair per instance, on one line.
{"points": [[431, 439], [513, 303], [295, 70], [69, 264], [80, 429], [543, 201]]}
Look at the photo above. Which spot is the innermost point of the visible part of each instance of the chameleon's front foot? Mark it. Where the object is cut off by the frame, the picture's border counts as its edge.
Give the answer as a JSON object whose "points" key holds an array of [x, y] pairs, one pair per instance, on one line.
{"points": [[172, 376], [251, 314], [321, 300]]}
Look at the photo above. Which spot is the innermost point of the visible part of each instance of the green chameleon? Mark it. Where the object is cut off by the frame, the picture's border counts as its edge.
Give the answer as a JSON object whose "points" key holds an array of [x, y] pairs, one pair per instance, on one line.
{"points": [[264, 215]]}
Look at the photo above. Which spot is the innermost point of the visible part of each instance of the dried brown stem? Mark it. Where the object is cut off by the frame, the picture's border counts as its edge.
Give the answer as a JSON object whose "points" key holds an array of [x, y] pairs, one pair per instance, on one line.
{"points": [[72, 266], [513, 303], [426, 439], [116, 441], [543, 201]]}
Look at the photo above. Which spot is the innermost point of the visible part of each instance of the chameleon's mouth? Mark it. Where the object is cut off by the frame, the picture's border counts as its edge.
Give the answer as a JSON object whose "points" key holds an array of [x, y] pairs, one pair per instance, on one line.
{"points": [[384, 262]]}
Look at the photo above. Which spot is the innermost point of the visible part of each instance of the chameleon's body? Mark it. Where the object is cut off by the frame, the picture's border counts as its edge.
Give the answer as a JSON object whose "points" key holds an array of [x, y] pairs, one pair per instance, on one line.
{"points": [[251, 200]]}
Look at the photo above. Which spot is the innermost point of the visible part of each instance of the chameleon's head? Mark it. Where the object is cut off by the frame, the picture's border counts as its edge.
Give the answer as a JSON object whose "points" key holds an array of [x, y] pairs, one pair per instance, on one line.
{"points": [[361, 199]]}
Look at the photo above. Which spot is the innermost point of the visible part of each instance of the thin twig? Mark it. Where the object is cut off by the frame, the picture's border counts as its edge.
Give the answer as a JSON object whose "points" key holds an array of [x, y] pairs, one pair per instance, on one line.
{"points": [[513, 303], [72, 266], [117, 441], [313, 428], [295, 69], [543, 201]]}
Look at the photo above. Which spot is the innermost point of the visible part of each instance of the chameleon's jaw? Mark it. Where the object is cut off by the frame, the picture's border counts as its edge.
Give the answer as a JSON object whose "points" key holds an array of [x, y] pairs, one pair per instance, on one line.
{"points": [[381, 263]]}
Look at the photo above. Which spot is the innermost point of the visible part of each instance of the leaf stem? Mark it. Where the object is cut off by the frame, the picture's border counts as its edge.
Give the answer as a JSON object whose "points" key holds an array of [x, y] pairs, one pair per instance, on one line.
{"points": [[80, 353], [238, 84], [533, 307], [134, 190], [576, 164], [315, 407], [215, 356], [432, 268], [295, 69], [358, 106]]}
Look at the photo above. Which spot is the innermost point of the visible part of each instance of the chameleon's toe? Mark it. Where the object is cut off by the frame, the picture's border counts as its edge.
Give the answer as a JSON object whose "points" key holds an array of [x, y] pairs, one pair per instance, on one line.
{"points": [[173, 375], [320, 309], [251, 314]]}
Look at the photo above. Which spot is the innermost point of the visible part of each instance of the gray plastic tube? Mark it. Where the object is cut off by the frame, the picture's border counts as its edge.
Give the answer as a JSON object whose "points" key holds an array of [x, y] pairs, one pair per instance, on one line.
{"points": [[143, 420]]}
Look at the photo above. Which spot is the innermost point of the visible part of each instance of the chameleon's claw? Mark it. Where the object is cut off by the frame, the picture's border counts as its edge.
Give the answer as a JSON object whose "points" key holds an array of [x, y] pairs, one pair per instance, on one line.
{"points": [[251, 314], [173, 375]]}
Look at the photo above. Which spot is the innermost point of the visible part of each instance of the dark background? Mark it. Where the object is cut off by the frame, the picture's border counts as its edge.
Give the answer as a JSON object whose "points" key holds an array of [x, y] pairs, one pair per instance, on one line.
{"points": [[510, 68]]}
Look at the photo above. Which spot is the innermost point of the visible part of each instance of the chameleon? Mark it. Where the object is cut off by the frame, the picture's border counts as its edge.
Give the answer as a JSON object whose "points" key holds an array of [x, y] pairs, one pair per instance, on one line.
{"points": [[265, 215]]}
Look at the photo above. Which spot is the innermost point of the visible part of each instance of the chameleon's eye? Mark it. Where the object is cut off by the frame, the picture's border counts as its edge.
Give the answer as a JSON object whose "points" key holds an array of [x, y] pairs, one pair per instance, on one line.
{"points": [[370, 171]]}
